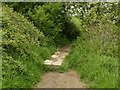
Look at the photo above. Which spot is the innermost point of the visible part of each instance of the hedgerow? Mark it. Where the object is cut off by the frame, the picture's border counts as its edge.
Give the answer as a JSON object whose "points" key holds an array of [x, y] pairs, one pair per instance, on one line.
{"points": [[23, 50], [94, 55], [49, 18]]}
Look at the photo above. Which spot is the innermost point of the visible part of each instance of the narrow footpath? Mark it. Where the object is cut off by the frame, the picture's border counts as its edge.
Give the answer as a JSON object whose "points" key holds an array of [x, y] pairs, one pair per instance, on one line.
{"points": [[60, 80]]}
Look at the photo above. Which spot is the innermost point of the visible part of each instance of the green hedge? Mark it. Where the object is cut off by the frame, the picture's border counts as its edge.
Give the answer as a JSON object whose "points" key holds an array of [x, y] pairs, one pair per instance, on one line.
{"points": [[96, 69], [23, 51], [49, 19], [94, 55]]}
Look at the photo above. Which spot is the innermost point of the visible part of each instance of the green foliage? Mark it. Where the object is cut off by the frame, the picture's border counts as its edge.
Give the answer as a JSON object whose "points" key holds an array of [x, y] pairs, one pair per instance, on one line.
{"points": [[49, 19], [78, 23], [23, 51], [73, 28], [105, 34], [98, 70], [0, 49], [97, 11], [23, 7], [94, 55]]}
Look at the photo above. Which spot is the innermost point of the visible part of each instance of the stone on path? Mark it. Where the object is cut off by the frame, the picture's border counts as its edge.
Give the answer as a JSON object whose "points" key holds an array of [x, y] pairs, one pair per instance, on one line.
{"points": [[54, 56], [57, 58]]}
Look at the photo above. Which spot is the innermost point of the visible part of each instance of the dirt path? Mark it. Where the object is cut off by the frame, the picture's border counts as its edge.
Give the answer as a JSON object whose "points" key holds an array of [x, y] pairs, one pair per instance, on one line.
{"points": [[57, 58], [60, 80]]}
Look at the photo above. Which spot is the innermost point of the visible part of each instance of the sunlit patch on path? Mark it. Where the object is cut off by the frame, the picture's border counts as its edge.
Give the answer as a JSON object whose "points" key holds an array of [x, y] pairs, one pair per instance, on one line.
{"points": [[57, 58]]}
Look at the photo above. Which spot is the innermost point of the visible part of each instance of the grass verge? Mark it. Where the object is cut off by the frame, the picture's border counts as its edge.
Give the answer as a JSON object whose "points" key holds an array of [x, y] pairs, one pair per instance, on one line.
{"points": [[97, 70]]}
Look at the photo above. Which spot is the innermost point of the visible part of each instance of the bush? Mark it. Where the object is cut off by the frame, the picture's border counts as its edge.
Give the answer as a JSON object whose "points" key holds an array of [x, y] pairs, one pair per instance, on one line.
{"points": [[22, 42], [73, 28], [96, 69], [94, 55], [23, 7], [49, 19]]}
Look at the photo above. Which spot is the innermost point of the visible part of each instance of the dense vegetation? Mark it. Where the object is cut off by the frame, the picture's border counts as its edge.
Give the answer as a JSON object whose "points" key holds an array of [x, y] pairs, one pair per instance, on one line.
{"points": [[21, 44], [32, 32], [94, 55], [0, 49], [25, 46], [24, 49]]}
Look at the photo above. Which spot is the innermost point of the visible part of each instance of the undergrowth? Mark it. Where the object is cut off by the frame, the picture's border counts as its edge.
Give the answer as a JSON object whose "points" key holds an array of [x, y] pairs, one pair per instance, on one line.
{"points": [[30, 39], [97, 69], [23, 51], [94, 55]]}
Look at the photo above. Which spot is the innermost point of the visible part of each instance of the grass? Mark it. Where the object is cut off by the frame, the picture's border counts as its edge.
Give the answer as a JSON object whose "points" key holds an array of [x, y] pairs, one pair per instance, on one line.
{"points": [[23, 56], [23, 59], [26, 73], [100, 71], [96, 69]]}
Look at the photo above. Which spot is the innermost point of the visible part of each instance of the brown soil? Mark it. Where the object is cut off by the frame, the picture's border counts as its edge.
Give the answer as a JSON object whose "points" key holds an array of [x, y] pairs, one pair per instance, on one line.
{"points": [[61, 80]]}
